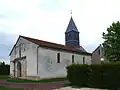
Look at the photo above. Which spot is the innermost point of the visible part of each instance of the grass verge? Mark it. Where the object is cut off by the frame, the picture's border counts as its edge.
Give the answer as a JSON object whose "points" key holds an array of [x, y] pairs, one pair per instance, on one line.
{"points": [[42, 80], [3, 76], [8, 88]]}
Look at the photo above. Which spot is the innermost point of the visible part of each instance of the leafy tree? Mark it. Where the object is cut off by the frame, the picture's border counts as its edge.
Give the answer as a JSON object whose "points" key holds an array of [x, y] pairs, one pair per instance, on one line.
{"points": [[3, 63], [112, 42]]}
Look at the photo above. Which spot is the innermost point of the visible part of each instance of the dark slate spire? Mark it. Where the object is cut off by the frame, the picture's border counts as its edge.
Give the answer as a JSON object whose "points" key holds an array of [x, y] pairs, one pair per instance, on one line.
{"points": [[71, 26], [72, 35]]}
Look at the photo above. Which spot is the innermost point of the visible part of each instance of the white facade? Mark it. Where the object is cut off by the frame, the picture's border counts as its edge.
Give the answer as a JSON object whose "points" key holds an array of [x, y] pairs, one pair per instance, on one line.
{"points": [[42, 61], [48, 66], [28, 65]]}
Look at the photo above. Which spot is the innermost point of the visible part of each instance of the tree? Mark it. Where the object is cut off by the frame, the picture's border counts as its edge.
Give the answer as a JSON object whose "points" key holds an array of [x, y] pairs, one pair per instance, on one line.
{"points": [[112, 42], [3, 63], [4, 68]]}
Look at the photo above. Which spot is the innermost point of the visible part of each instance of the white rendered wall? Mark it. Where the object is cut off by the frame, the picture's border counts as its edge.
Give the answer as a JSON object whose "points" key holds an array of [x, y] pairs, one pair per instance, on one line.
{"points": [[47, 60], [31, 58], [52, 68]]}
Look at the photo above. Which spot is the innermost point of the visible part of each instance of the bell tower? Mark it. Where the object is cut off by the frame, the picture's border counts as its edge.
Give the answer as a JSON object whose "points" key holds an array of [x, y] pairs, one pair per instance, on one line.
{"points": [[72, 35]]}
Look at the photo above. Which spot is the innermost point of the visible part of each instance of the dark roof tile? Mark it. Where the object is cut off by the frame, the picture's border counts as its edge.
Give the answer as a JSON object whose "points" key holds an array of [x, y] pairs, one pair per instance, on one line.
{"points": [[71, 26], [54, 45]]}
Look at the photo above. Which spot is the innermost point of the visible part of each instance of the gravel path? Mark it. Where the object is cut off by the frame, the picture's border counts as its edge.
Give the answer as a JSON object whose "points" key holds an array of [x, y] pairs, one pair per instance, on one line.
{"points": [[69, 88], [41, 85]]}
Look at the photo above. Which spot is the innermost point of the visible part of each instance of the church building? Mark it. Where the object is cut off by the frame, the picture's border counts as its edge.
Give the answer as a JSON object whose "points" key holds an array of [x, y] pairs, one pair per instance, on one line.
{"points": [[31, 58]]}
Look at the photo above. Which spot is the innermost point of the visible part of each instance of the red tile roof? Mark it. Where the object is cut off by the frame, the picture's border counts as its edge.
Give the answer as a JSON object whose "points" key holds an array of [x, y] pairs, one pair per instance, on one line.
{"points": [[54, 45]]}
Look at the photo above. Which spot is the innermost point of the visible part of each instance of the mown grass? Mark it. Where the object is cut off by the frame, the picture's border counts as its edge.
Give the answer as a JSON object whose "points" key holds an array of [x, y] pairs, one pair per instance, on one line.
{"points": [[8, 88], [42, 80], [4, 76]]}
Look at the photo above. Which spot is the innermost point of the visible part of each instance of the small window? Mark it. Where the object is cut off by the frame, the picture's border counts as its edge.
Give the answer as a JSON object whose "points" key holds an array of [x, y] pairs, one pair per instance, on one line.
{"points": [[58, 57], [72, 58], [83, 60], [22, 47], [99, 51]]}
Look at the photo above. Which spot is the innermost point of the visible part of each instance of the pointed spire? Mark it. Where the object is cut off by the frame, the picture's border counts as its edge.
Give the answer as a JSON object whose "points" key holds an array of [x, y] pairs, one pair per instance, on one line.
{"points": [[71, 26]]}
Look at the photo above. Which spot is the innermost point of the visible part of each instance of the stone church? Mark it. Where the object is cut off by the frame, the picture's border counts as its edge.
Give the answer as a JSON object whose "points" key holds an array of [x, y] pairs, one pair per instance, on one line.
{"points": [[31, 58]]}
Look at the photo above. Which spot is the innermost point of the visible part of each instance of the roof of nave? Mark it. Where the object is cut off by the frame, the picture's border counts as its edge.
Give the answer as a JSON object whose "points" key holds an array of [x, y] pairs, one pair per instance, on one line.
{"points": [[53, 45]]}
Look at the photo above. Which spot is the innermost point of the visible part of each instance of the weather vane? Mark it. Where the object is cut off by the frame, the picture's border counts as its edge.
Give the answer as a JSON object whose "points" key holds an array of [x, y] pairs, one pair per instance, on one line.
{"points": [[71, 12]]}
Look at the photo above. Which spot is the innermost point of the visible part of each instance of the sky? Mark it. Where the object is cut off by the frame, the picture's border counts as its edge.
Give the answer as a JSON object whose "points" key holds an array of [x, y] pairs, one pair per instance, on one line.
{"points": [[48, 19]]}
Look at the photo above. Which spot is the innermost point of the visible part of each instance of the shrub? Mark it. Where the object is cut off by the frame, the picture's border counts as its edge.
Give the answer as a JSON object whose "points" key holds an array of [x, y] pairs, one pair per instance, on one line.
{"points": [[4, 69], [95, 76], [78, 74]]}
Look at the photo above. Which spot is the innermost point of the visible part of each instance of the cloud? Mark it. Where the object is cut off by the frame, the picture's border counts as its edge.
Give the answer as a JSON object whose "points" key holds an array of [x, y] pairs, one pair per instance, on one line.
{"points": [[7, 61], [48, 19], [37, 18], [51, 5], [6, 43]]}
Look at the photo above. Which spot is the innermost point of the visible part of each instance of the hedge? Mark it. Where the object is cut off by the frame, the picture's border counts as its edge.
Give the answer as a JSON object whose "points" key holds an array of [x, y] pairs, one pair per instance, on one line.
{"points": [[75, 71], [4, 70], [95, 76]]}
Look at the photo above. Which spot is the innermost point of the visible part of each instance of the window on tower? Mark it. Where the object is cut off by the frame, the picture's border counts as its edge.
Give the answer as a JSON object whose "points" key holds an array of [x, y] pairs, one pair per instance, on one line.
{"points": [[76, 36], [69, 35]]}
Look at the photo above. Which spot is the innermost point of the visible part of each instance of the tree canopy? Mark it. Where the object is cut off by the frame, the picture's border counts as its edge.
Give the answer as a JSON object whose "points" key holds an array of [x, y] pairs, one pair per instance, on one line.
{"points": [[112, 42], [2, 63]]}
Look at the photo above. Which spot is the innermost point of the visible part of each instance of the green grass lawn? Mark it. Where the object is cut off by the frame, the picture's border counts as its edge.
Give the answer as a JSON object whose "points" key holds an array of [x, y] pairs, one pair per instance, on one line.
{"points": [[3, 76], [8, 88], [42, 80]]}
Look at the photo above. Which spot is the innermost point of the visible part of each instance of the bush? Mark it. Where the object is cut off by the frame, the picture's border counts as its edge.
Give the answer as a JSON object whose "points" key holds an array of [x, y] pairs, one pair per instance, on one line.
{"points": [[4, 69], [78, 74], [95, 76]]}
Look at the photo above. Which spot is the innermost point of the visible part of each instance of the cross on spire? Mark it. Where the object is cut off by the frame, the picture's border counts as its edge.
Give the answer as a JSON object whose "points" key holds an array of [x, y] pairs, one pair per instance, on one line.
{"points": [[71, 12], [72, 34]]}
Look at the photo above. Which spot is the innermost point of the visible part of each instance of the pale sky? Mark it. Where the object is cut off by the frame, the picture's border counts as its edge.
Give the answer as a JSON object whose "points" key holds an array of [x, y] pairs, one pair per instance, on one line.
{"points": [[48, 19]]}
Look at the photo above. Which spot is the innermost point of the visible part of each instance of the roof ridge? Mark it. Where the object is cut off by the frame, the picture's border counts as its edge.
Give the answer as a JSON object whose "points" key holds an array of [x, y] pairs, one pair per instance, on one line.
{"points": [[51, 45], [96, 48], [46, 41]]}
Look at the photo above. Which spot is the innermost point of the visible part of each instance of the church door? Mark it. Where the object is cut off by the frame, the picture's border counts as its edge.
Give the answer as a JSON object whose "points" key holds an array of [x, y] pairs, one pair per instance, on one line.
{"points": [[18, 69]]}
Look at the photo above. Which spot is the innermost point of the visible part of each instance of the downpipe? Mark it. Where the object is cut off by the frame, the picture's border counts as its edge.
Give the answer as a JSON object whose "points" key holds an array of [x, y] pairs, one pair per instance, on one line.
{"points": [[37, 59]]}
